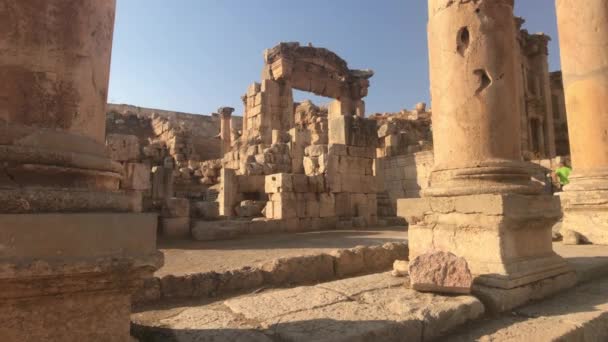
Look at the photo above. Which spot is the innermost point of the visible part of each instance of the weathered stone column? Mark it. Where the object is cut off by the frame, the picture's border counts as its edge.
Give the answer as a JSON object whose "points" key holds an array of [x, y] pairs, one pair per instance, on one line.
{"points": [[476, 124], [53, 97], [225, 128], [481, 204], [71, 250], [583, 37]]}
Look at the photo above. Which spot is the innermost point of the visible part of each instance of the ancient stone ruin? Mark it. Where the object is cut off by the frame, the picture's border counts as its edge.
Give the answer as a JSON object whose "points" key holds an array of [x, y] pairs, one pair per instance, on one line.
{"points": [[278, 220]]}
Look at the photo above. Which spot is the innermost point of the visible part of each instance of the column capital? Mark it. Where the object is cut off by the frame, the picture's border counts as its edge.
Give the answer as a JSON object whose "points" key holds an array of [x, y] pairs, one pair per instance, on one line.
{"points": [[225, 112]]}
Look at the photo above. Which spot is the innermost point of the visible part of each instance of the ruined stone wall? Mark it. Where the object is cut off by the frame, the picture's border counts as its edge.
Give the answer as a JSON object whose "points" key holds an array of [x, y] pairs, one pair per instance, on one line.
{"points": [[147, 124], [404, 176], [537, 127], [180, 151], [404, 133]]}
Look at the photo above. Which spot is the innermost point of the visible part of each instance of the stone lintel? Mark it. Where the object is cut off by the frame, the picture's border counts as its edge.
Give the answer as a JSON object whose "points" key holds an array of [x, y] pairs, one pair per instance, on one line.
{"points": [[506, 239]]}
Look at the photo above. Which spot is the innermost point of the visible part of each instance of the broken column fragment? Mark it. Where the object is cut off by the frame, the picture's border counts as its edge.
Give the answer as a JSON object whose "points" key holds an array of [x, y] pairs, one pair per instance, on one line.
{"points": [[440, 272]]}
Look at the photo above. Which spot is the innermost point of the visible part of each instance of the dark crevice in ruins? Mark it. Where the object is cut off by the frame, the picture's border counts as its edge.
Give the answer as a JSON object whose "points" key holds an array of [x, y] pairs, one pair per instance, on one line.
{"points": [[484, 80], [463, 40]]}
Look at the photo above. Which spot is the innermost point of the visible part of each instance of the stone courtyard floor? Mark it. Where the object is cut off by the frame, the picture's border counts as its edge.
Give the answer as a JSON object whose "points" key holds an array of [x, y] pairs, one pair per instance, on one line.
{"points": [[375, 307]]}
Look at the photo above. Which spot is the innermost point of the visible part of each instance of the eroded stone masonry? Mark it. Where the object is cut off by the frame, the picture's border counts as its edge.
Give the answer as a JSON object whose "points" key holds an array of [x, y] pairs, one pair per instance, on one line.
{"points": [[86, 187]]}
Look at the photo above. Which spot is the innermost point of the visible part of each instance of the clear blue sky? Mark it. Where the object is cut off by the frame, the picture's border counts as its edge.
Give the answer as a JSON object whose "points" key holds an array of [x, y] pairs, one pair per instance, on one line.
{"points": [[197, 55]]}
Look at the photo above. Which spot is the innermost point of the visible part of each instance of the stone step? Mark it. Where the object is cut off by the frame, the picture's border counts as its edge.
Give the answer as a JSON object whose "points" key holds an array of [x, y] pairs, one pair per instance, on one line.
{"points": [[287, 271], [580, 314], [375, 307]]}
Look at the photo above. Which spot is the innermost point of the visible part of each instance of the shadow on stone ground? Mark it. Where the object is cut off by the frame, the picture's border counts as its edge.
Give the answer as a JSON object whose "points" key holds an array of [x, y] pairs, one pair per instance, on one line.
{"points": [[322, 239], [310, 330], [580, 314]]}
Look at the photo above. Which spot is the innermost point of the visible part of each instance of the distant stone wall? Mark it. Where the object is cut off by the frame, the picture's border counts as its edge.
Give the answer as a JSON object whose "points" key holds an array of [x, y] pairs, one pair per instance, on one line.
{"points": [[201, 129], [406, 175]]}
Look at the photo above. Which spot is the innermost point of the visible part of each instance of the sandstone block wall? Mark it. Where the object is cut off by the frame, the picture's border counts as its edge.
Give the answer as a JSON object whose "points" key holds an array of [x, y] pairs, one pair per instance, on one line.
{"points": [[406, 175]]}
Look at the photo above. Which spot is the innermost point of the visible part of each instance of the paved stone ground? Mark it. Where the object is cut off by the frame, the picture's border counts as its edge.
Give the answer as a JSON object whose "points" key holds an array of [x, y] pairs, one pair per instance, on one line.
{"points": [[376, 307], [183, 257], [581, 314], [379, 307], [590, 261]]}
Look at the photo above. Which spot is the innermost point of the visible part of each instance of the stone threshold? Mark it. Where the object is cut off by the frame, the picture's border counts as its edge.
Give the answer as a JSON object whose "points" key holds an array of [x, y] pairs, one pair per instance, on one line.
{"points": [[281, 272]]}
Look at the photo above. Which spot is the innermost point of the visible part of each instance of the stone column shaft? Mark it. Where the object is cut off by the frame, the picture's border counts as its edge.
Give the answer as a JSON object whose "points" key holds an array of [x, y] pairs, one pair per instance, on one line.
{"points": [[72, 253], [481, 205], [583, 37], [226, 128], [476, 122], [53, 96]]}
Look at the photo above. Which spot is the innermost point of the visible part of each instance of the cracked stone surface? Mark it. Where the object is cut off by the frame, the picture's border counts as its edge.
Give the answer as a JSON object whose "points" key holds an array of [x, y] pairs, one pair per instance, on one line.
{"points": [[375, 307], [355, 286], [273, 304]]}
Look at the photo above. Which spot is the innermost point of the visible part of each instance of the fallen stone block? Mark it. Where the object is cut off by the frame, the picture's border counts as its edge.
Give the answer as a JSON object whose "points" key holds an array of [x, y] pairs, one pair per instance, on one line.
{"points": [[440, 272]]}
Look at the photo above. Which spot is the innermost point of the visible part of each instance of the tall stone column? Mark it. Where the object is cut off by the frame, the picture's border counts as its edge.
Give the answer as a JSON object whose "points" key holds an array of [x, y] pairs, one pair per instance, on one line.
{"points": [[476, 125], [226, 128], [72, 252], [583, 37], [54, 67], [481, 203]]}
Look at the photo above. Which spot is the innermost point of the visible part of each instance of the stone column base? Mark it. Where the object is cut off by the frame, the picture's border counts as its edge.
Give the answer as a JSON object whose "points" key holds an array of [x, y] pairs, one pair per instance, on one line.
{"points": [[586, 212], [69, 277], [506, 239], [498, 300]]}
